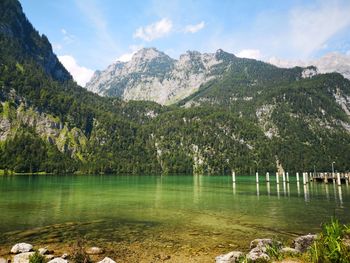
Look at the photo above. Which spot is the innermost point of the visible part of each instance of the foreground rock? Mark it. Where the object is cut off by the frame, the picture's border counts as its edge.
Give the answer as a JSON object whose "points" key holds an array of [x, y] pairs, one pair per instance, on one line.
{"points": [[303, 243], [21, 248], [231, 257], [3, 260], [43, 251], [22, 258], [94, 251], [261, 243], [58, 260], [257, 254], [107, 260]]}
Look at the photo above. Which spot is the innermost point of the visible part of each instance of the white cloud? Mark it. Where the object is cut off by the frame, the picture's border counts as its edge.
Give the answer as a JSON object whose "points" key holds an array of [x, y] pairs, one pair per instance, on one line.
{"points": [[80, 74], [127, 56], [67, 37], [194, 28], [153, 31], [249, 53], [310, 28]]}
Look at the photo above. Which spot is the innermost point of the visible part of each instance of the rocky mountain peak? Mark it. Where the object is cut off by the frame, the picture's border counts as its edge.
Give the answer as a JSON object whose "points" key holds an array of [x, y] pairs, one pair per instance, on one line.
{"points": [[148, 54]]}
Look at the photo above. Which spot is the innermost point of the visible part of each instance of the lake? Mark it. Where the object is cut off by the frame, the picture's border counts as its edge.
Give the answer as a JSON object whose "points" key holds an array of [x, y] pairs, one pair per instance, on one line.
{"points": [[196, 217]]}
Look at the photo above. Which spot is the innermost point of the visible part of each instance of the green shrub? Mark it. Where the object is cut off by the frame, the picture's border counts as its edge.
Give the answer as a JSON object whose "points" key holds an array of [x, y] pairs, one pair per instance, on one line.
{"points": [[274, 251], [37, 258], [79, 255], [329, 246]]}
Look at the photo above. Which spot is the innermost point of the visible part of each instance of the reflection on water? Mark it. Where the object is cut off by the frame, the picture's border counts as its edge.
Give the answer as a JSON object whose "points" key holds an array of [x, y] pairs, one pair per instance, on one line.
{"points": [[179, 210]]}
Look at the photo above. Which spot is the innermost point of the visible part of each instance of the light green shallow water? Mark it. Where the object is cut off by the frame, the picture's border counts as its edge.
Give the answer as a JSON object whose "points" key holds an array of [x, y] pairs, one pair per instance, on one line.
{"points": [[175, 211]]}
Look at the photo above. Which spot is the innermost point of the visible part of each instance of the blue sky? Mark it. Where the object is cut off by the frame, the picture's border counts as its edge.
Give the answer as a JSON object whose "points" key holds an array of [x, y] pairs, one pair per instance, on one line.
{"points": [[91, 34]]}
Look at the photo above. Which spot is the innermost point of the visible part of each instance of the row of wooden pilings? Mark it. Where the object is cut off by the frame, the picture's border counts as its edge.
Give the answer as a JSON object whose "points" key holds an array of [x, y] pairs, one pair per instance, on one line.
{"points": [[306, 177]]}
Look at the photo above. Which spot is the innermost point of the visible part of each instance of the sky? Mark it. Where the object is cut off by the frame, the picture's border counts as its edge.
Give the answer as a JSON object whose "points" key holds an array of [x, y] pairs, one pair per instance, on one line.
{"points": [[89, 35]]}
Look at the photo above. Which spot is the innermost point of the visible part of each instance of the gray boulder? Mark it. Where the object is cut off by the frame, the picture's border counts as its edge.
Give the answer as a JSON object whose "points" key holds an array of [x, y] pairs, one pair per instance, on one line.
{"points": [[107, 260], [231, 257], [256, 254], [22, 258], [261, 243], [303, 243], [21, 248]]}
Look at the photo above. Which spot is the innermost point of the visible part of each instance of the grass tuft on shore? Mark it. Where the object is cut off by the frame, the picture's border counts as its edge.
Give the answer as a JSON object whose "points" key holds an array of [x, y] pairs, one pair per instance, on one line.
{"points": [[332, 245]]}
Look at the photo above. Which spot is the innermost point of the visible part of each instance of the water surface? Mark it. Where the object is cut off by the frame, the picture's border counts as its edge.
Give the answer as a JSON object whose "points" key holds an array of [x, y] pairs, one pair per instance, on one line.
{"points": [[197, 214]]}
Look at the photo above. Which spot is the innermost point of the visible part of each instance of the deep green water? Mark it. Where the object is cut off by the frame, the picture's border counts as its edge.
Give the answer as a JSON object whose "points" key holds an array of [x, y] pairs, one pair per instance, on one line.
{"points": [[175, 211]]}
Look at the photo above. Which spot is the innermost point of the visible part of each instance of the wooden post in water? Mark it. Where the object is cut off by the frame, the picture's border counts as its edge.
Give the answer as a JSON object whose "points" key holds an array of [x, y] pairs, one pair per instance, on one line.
{"points": [[233, 176], [277, 178], [257, 177], [304, 179], [325, 179], [267, 177], [287, 177], [338, 179], [298, 177], [284, 177]]}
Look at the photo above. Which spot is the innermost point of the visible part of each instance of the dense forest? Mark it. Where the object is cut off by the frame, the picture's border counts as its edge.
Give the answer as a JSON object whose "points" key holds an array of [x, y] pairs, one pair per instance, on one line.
{"points": [[251, 118]]}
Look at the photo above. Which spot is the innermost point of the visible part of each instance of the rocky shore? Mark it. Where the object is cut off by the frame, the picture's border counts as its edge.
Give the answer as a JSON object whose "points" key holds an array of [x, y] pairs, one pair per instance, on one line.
{"points": [[260, 251]]}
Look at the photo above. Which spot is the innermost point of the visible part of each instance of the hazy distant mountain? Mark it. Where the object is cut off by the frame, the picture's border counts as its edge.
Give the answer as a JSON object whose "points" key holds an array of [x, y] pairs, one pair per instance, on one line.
{"points": [[331, 62]]}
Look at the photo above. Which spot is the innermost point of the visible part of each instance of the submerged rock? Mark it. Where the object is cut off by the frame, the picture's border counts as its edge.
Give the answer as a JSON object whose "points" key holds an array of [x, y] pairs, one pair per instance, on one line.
{"points": [[58, 260], [303, 243], [94, 250], [107, 260], [22, 258], [231, 257], [21, 248]]}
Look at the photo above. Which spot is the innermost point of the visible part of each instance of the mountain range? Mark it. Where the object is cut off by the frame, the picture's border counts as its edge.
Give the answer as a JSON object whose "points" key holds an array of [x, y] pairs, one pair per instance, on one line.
{"points": [[152, 75], [201, 114]]}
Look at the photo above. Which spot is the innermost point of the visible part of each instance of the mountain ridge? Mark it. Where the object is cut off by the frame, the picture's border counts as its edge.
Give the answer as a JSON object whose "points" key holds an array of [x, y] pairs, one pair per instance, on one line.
{"points": [[153, 75]]}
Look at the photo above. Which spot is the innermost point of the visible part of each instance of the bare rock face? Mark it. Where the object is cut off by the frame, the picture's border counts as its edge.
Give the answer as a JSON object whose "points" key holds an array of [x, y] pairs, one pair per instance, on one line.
{"points": [[303, 243], [231, 257], [153, 75], [21, 248]]}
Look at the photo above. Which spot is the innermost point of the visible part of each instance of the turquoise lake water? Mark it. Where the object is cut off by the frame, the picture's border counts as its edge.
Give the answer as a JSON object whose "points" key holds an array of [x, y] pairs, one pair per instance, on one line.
{"points": [[175, 211]]}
